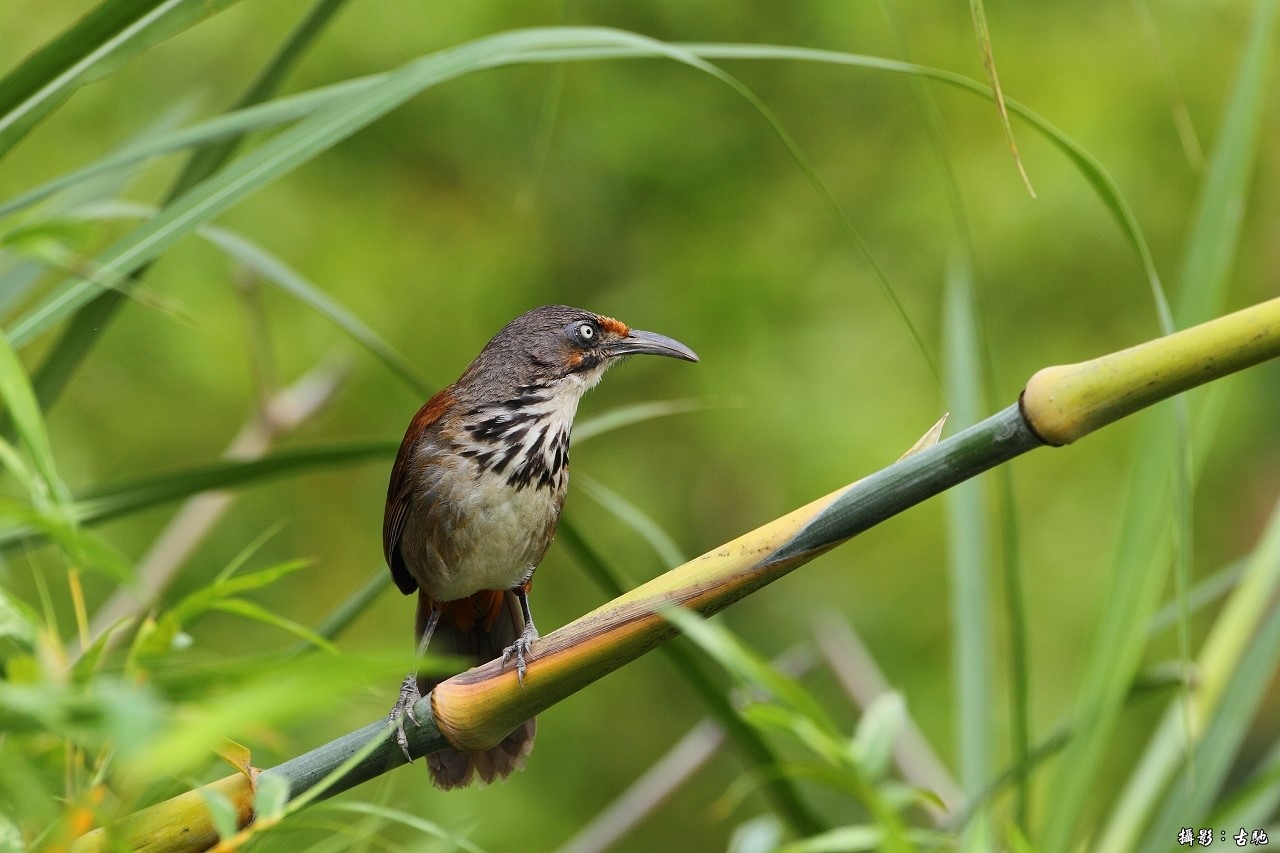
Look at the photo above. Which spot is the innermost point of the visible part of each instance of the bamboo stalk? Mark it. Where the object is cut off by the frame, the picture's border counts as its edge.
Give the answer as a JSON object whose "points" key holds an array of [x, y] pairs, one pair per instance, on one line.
{"points": [[180, 823], [1067, 402], [475, 709]]}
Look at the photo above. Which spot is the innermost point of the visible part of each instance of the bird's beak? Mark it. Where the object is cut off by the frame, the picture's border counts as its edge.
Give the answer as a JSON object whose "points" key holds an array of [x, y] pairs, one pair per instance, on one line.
{"points": [[649, 343]]}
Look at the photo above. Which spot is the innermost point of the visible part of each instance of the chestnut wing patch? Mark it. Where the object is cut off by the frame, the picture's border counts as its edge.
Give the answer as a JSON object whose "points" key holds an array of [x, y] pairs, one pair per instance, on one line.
{"points": [[400, 502]]}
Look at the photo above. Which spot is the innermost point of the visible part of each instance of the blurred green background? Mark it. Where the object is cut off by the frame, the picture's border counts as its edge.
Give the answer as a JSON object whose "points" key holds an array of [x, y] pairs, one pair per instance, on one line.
{"points": [[651, 192]]}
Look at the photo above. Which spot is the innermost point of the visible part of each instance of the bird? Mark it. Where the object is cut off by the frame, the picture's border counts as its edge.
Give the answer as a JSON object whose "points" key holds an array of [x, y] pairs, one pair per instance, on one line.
{"points": [[475, 496]]}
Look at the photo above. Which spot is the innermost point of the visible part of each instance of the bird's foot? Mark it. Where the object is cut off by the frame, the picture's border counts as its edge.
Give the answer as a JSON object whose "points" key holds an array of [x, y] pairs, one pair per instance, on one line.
{"points": [[409, 695], [521, 650]]}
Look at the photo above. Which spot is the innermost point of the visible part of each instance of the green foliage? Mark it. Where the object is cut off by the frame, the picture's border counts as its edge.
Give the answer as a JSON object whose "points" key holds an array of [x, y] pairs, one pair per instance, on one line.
{"points": [[763, 193]]}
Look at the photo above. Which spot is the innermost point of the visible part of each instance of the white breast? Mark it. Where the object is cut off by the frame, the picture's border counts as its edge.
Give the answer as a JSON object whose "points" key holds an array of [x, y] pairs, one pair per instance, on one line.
{"points": [[501, 519]]}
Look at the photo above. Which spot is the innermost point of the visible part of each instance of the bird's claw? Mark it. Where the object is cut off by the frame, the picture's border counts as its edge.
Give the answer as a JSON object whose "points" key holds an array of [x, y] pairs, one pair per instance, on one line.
{"points": [[521, 650], [409, 696]]}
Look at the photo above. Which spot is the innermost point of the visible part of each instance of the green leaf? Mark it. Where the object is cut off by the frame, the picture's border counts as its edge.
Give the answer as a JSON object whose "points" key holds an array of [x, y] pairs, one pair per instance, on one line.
{"points": [[1213, 242], [1209, 252], [308, 686], [83, 332], [51, 510], [1137, 572], [270, 797], [202, 599], [752, 671], [277, 272], [758, 835], [844, 839], [211, 158], [278, 156], [832, 750], [20, 400], [1085, 163], [113, 33], [86, 666], [1190, 805], [258, 613], [877, 733], [221, 812], [328, 126], [247, 552], [17, 621], [412, 821]]}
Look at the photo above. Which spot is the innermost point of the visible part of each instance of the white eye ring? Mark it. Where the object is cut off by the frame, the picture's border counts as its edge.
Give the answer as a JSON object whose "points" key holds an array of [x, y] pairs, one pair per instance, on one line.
{"points": [[586, 331]]}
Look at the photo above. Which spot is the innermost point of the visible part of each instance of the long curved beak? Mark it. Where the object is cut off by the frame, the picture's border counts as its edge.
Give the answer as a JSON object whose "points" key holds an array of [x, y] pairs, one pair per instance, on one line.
{"points": [[638, 342]]}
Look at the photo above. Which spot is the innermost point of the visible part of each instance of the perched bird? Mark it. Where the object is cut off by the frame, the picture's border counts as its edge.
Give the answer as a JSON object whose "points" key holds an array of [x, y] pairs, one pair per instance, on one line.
{"points": [[475, 496]]}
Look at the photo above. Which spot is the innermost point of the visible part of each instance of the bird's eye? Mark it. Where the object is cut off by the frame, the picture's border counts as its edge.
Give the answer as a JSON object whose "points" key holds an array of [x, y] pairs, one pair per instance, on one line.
{"points": [[586, 331]]}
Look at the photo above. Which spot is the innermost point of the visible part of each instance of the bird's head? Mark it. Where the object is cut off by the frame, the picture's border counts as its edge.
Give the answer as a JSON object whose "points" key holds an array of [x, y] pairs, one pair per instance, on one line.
{"points": [[557, 344]]}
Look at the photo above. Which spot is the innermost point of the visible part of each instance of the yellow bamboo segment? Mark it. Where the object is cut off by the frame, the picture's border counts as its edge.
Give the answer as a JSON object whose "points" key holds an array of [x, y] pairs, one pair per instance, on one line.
{"points": [[476, 709], [176, 825], [1066, 402]]}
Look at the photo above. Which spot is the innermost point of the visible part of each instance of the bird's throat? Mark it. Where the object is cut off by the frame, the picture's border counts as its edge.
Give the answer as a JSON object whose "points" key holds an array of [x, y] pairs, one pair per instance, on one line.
{"points": [[525, 439]]}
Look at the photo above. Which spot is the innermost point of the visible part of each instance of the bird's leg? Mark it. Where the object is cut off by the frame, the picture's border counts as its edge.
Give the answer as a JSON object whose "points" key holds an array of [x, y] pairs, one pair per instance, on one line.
{"points": [[520, 649], [409, 692]]}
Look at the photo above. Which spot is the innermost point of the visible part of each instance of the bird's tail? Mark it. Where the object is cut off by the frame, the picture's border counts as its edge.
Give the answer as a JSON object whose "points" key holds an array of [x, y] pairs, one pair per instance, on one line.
{"points": [[476, 629]]}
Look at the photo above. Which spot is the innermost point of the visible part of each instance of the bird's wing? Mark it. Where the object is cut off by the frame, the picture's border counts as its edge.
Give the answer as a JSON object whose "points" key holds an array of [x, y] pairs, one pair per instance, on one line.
{"points": [[400, 491]]}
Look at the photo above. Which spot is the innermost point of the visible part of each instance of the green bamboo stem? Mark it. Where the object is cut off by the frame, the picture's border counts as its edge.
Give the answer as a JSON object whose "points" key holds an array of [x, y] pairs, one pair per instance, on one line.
{"points": [[180, 823], [475, 709], [1067, 402]]}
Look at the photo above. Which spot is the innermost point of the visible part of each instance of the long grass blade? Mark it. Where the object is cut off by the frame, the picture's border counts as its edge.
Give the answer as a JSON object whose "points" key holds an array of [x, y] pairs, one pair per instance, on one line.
{"points": [[335, 122], [210, 159], [1088, 166], [90, 321], [114, 32], [968, 562], [330, 125], [1211, 247], [290, 281], [1190, 805], [129, 498], [1215, 231], [227, 126], [634, 413]]}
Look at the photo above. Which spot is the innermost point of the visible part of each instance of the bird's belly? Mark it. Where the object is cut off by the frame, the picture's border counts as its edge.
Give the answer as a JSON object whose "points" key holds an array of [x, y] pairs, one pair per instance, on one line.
{"points": [[506, 533]]}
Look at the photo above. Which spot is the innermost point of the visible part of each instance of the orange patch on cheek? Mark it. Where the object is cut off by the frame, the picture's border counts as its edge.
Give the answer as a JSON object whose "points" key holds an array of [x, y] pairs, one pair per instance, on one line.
{"points": [[575, 359], [617, 327]]}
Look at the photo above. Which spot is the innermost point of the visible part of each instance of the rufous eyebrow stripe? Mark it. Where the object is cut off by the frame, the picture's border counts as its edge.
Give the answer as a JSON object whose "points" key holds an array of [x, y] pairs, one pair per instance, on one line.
{"points": [[618, 327]]}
